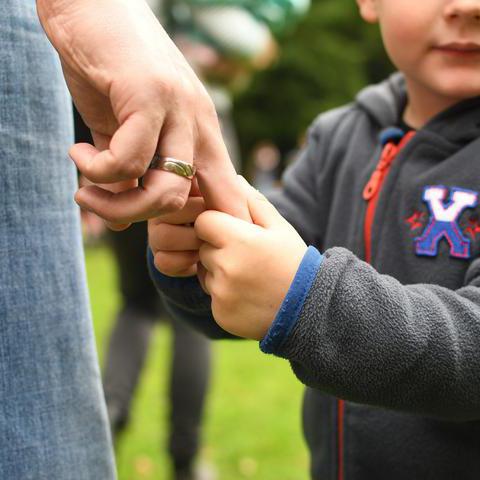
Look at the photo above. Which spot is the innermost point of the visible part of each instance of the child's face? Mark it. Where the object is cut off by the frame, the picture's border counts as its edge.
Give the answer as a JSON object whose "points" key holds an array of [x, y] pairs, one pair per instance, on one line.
{"points": [[435, 43]]}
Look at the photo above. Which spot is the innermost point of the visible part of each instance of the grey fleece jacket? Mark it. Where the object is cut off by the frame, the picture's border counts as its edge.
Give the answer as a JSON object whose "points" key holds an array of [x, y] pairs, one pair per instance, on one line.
{"points": [[398, 339]]}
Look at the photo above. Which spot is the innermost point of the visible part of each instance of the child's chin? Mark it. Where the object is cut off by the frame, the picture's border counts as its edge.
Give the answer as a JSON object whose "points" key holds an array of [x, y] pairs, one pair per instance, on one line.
{"points": [[459, 87]]}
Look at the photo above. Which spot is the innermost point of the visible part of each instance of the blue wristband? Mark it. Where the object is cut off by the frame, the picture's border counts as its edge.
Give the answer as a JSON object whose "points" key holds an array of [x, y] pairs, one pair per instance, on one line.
{"points": [[292, 305]]}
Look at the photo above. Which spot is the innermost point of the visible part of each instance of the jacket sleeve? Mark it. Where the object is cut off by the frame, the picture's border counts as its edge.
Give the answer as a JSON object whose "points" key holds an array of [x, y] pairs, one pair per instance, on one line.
{"points": [[365, 337]]}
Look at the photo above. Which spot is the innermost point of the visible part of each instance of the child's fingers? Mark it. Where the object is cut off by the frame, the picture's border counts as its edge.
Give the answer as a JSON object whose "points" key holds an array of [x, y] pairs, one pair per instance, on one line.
{"points": [[166, 237], [217, 228], [208, 257], [263, 213], [177, 264]]}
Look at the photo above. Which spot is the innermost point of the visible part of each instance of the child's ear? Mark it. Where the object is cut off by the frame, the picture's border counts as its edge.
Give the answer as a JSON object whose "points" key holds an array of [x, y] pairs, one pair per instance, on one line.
{"points": [[368, 10]]}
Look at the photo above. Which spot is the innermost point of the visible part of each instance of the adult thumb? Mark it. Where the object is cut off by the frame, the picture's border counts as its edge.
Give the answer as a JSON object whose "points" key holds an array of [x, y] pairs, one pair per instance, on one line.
{"points": [[263, 213]]}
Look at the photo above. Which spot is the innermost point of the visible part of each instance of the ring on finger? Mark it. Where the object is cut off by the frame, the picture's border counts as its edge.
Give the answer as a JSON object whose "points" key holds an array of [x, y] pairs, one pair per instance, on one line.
{"points": [[173, 165]]}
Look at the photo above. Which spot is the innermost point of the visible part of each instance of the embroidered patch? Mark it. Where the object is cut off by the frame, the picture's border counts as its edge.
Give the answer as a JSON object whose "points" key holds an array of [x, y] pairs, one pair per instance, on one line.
{"points": [[473, 228], [416, 220], [443, 223]]}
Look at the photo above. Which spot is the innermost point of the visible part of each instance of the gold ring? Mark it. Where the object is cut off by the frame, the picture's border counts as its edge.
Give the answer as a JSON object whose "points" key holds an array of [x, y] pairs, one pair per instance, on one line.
{"points": [[169, 164]]}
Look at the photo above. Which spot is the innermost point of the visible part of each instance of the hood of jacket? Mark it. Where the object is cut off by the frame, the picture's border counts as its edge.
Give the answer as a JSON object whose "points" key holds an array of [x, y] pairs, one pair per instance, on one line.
{"points": [[385, 102]]}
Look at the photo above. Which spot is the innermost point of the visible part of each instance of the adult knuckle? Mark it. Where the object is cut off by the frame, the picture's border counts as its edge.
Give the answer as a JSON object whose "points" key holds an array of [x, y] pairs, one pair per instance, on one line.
{"points": [[161, 85], [174, 202], [172, 88], [190, 96], [167, 87], [132, 170], [87, 171]]}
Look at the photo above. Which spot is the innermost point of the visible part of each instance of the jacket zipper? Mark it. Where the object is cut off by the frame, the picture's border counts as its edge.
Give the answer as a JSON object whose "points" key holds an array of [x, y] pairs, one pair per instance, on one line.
{"points": [[370, 194]]}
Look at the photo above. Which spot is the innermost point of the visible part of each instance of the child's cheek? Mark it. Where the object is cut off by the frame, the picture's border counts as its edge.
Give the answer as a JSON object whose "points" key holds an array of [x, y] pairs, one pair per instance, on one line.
{"points": [[402, 46]]}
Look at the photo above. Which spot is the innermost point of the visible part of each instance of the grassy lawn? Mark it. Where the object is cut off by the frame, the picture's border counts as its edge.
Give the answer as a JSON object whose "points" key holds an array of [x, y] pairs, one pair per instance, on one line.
{"points": [[252, 427]]}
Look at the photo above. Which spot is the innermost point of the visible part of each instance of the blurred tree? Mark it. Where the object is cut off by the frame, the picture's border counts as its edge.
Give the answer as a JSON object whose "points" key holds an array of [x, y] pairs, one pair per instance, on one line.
{"points": [[322, 64]]}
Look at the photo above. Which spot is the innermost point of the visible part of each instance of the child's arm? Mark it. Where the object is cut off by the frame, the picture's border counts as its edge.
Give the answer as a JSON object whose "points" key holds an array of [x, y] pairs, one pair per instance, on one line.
{"points": [[346, 329]]}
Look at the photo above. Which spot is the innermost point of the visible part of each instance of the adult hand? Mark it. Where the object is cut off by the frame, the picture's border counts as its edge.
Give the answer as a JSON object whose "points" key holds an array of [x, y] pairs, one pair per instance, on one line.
{"points": [[139, 97], [250, 267]]}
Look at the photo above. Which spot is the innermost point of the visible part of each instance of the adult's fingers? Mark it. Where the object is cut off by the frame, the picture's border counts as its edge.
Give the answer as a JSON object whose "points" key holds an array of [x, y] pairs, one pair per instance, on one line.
{"points": [[129, 153], [117, 188], [164, 192], [195, 189], [216, 175], [102, 142], [160, 192], [188, 214], [172, 238]]}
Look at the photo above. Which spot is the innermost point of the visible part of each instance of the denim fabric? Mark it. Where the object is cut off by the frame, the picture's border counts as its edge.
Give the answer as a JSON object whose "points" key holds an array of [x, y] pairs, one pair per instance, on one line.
{"points": [[53, 423]]}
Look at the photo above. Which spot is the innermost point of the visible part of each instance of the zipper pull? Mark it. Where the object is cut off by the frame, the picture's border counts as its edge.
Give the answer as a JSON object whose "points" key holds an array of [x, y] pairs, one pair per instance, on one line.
{"points": [[372, 186], [388, 154]]}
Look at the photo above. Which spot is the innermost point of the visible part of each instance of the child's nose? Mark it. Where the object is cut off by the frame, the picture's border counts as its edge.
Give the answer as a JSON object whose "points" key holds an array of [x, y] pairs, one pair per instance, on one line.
{"points": [[463, 9]]}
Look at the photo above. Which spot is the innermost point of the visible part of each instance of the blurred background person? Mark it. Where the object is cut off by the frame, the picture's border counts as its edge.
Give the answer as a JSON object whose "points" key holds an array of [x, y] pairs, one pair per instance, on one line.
{"points": [[265, 166], [224, 43]]}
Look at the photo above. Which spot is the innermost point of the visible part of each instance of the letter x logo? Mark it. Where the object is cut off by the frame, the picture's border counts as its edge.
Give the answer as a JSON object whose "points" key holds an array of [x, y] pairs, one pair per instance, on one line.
{"points": [[443, 222]]}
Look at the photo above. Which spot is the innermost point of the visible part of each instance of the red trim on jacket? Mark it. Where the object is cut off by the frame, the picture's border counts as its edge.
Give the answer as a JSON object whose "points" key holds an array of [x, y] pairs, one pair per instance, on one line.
{"points": [[371, 193], [340, 430]]}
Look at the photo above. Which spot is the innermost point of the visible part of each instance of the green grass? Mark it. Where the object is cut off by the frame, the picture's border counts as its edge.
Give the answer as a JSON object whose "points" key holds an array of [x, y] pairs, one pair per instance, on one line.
{"points": [[252, 425]]}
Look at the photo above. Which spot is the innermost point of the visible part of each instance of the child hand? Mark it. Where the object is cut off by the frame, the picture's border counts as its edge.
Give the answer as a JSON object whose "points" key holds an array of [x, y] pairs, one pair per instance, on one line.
{"points": [[174, 242], [249, 267]]}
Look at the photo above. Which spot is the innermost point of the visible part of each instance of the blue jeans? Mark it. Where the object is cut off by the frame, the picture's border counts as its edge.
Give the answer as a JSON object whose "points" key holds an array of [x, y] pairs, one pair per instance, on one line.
{"points": [[53, 423]]}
